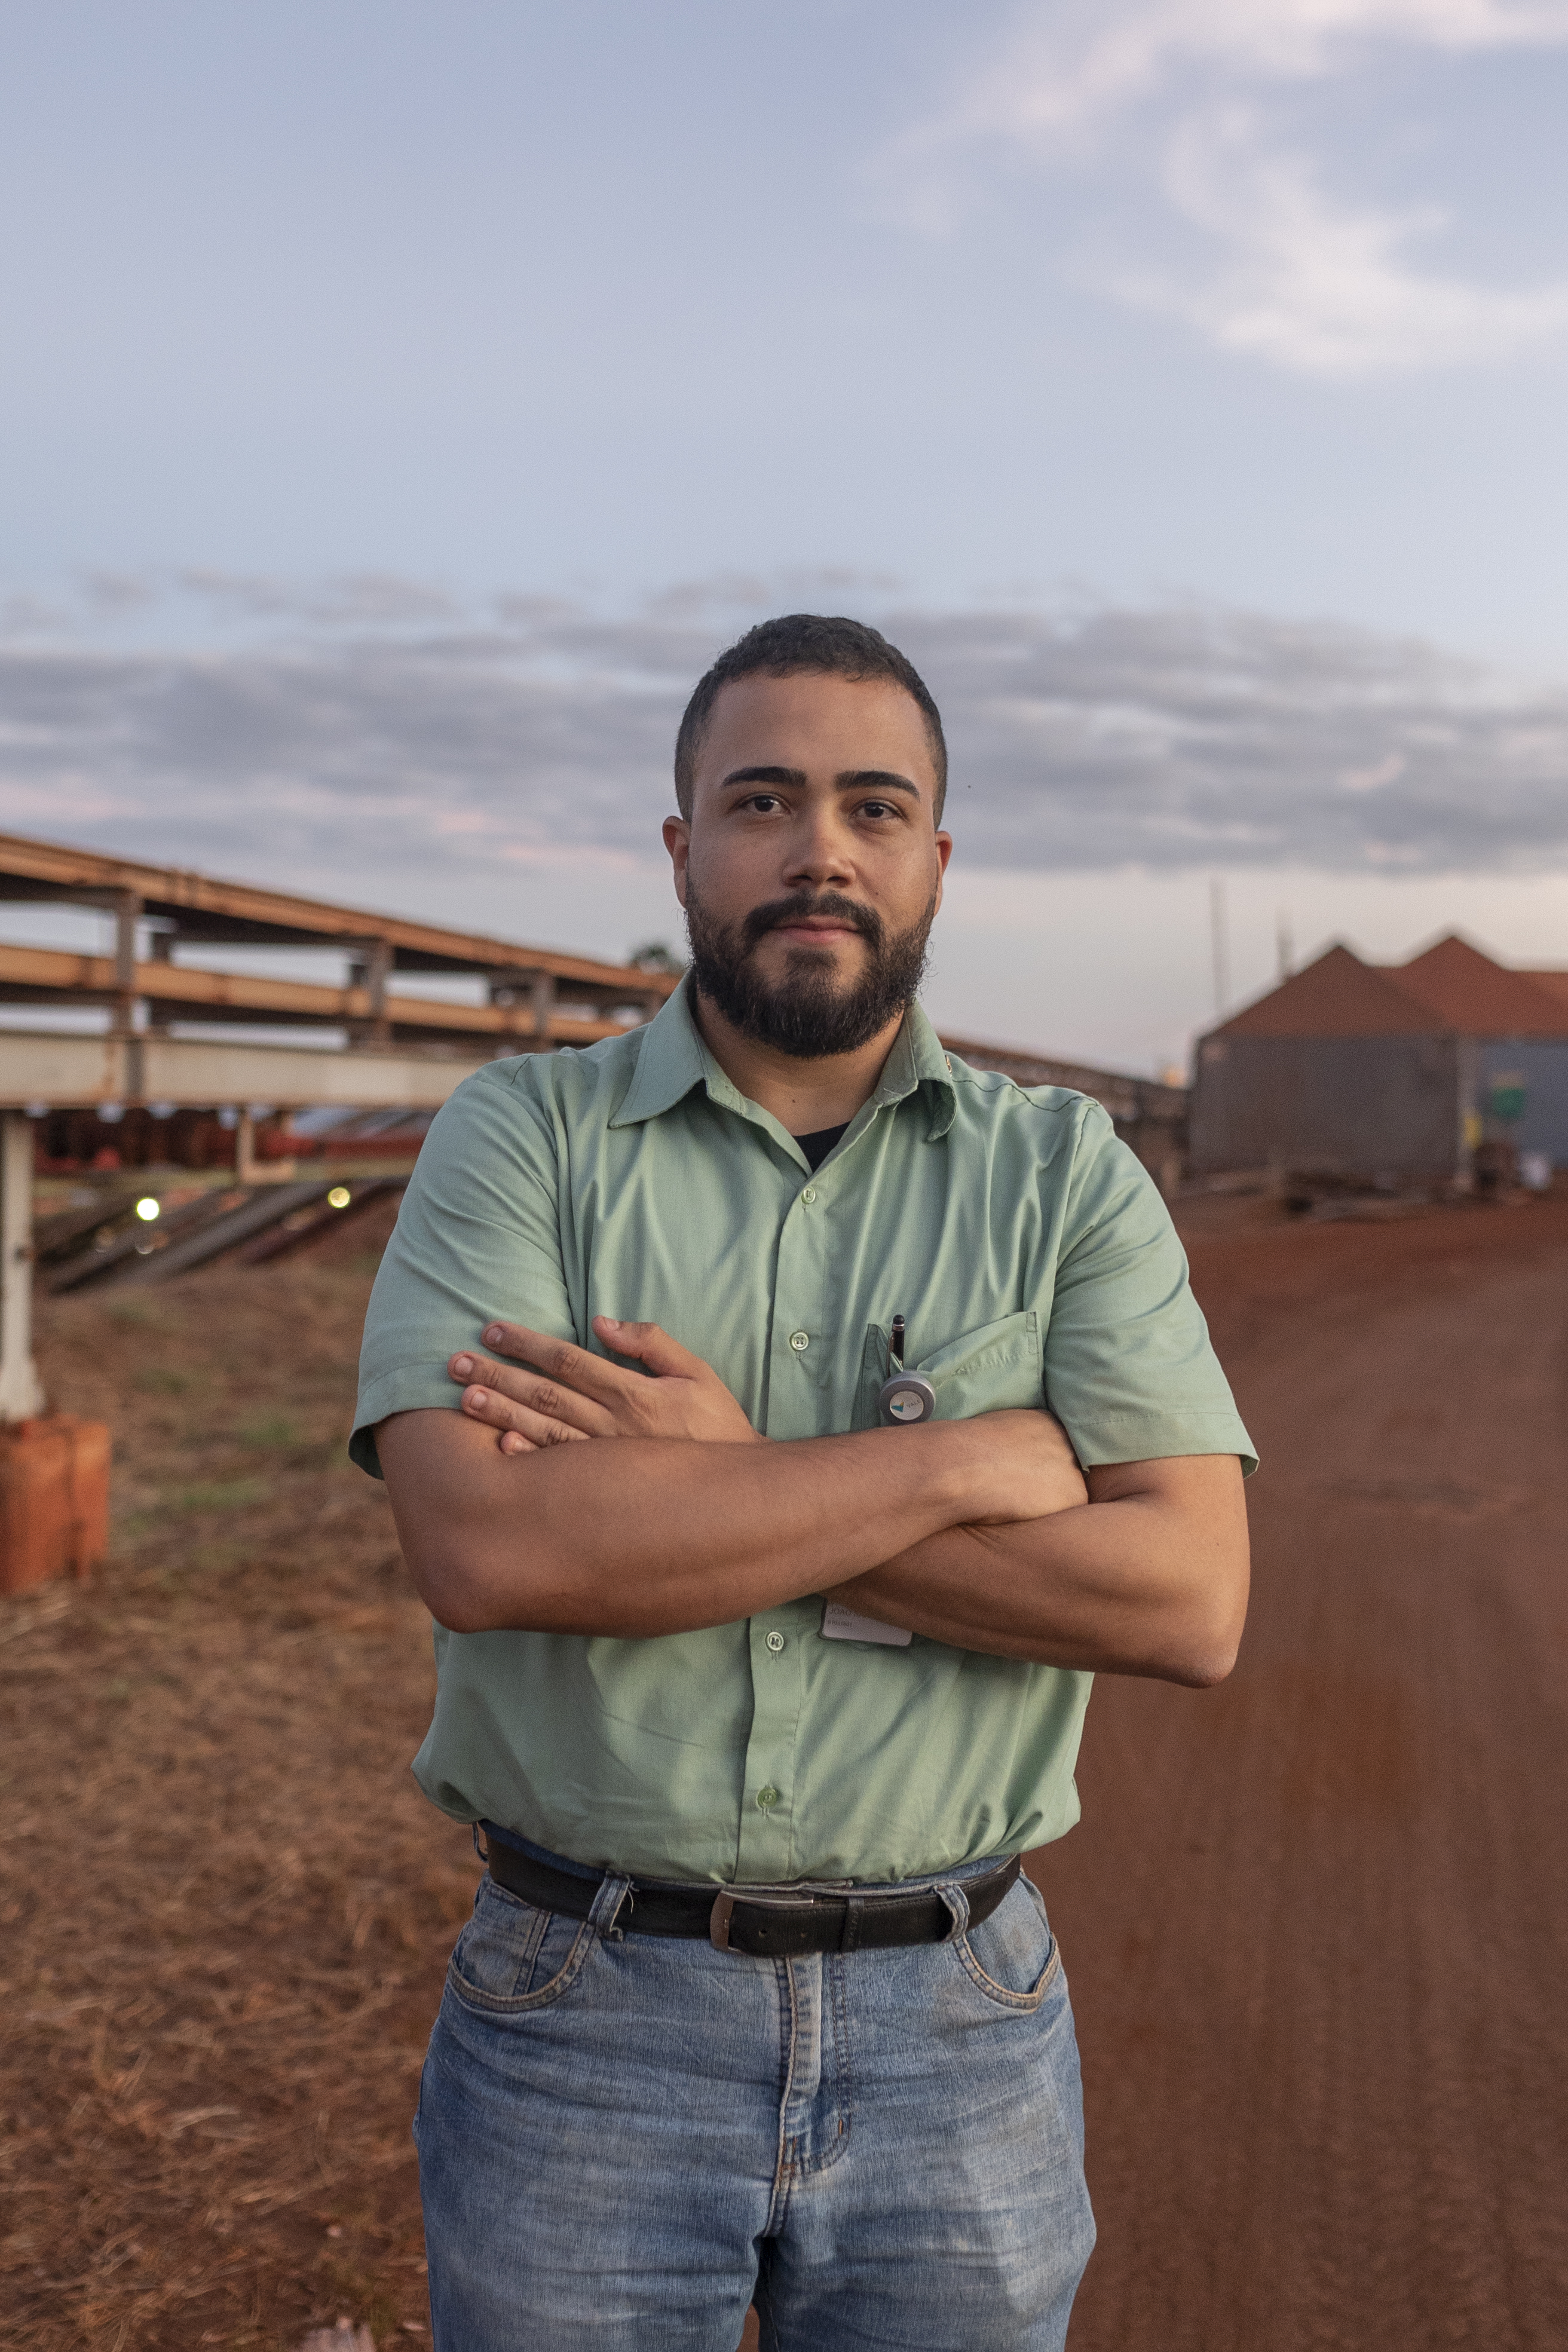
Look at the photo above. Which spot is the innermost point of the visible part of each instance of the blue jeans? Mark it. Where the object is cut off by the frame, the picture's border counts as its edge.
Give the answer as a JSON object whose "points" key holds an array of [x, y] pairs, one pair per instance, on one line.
{"points": [[623, 2144]]}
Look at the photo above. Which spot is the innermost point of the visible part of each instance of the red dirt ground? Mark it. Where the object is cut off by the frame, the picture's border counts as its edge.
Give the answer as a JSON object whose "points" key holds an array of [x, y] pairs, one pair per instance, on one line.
{"points": [[1316, 1921]]}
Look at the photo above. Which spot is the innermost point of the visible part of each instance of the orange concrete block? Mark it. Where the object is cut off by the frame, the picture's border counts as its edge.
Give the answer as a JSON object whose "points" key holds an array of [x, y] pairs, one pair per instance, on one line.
{"points": [[54, 1499]]}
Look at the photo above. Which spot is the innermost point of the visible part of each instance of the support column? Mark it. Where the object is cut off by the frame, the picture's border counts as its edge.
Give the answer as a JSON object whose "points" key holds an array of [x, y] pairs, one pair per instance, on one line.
{"points": [[20, 1395], [542, 1003], [54, 1469], [127, 915], [248, 1168], [371, 972], [160, 1012], [127, 911]]}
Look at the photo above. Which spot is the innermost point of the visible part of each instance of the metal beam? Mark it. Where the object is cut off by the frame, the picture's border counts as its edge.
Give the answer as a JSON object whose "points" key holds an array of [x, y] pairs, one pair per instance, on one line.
{"points": [[199, 907], [60, 1072], [188, 992]]}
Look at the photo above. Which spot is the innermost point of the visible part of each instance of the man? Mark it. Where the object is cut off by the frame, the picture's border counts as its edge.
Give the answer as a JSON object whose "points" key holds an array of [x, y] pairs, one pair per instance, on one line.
{"points": [[757, 1695]]}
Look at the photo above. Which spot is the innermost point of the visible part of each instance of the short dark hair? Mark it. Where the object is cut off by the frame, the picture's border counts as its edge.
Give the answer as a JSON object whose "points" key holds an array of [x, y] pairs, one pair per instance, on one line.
{"points": [[805, 641]]}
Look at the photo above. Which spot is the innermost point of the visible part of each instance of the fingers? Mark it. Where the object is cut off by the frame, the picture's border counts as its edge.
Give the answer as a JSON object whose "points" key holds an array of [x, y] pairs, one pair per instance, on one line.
{"points": [[589, 1375], [518, 1422], [504, 1394], [574, 1368], [649, 1344]]}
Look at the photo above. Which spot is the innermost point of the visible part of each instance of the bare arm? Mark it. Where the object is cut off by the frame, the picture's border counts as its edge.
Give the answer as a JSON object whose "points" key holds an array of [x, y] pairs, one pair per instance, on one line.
{"points": [[659, 1535], [979, 1533], [1149, 1578]]}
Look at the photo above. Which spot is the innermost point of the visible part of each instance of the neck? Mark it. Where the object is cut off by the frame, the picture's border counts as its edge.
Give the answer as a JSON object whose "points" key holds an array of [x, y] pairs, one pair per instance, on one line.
{"points": [[804, 1096]]}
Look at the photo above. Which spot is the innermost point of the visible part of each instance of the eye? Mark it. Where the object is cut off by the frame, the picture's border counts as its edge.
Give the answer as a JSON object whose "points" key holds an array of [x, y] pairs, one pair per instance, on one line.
{"points": [[763, 802], [880, 809]]}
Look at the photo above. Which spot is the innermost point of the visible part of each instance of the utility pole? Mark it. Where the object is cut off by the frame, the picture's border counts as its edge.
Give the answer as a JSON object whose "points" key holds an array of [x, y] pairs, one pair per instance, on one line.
{"points": [[1219, 945]]}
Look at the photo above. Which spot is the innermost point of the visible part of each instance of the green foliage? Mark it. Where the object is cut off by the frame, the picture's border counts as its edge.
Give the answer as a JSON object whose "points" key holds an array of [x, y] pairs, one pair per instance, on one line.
{"points": [[272, 1429], [217, 1494]]}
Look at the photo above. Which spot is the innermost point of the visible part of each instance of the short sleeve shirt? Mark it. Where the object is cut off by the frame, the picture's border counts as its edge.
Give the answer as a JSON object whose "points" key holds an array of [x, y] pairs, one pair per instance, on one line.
{"points": [[1033, 1264]]}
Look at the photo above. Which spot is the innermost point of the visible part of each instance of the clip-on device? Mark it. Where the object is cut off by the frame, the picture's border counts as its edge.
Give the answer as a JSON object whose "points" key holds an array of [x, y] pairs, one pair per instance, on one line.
{"points": [[904, 1398]]}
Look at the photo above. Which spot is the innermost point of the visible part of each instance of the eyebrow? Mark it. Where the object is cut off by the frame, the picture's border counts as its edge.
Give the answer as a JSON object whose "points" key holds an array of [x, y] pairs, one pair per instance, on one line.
{"points": [[848, 780]]}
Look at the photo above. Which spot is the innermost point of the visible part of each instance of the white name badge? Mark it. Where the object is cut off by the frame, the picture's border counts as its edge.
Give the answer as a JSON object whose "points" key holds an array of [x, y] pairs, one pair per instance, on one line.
{"points": [[841, 1624]]}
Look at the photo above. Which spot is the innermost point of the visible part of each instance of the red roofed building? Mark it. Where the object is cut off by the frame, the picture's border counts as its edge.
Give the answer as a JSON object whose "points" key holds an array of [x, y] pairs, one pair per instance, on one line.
{"points": [[1386, 1072]]}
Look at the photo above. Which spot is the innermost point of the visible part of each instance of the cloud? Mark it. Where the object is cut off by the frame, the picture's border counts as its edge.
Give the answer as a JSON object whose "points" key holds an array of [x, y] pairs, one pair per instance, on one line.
{"points": [[1386, 771], [1167, 102], [1317, 287], [1064, 73], [435, 756]]}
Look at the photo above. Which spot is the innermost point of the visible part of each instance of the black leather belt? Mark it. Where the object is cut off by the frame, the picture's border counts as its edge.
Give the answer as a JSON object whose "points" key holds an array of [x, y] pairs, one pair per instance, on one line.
{"points": [[766, 1926]]}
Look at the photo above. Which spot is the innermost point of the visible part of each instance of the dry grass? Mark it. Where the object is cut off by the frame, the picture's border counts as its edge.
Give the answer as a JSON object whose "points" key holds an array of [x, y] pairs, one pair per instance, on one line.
{"points": [[225, 1908]]}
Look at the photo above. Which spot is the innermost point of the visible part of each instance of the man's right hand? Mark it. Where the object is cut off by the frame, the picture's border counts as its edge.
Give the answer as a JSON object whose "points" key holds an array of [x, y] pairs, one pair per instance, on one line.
{"points": [[573, 1393]]}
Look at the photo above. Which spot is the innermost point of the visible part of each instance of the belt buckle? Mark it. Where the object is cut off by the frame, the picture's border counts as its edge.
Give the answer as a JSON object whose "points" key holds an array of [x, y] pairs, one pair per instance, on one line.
{"points": [[724, 1909]]}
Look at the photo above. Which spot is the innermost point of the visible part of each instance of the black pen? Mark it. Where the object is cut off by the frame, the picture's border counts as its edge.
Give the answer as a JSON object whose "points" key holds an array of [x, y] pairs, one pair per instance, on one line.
{"points": [[904, 1396]]}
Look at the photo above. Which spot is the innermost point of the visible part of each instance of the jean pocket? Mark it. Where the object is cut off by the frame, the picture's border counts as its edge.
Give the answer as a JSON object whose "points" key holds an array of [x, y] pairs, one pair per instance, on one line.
{"points": [[512, 1957], [1012, 1958]]}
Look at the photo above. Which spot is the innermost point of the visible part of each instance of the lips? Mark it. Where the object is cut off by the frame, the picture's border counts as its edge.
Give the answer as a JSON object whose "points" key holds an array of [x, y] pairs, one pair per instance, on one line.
{"points": [[823, 922]]}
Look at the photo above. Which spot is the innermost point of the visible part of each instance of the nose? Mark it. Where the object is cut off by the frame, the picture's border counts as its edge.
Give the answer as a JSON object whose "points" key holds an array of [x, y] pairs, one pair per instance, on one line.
{"points": [[821, 850]]}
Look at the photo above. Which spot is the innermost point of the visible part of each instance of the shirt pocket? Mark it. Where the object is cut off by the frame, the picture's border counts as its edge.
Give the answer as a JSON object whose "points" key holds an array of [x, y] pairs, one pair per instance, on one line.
{"points": [[988, 1369]]}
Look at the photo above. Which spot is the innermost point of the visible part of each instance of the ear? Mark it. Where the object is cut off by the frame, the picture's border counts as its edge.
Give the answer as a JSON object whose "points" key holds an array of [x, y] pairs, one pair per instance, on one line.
{"points": [[943, 852], [677, 841]]}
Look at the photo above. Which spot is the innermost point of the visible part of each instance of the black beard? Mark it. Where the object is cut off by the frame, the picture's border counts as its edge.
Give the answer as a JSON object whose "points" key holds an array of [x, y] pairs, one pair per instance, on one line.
{"points": [[808, 1014]]}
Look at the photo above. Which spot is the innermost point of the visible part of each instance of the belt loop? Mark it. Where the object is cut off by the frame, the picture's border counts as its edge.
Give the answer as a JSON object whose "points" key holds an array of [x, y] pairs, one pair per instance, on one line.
{"points": [[854, 1912], [951, 1893], [605, 1913]]}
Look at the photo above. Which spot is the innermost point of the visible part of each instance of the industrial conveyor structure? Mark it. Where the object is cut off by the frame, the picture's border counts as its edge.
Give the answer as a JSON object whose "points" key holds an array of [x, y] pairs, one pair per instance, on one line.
{"points": [[374, 1042]]}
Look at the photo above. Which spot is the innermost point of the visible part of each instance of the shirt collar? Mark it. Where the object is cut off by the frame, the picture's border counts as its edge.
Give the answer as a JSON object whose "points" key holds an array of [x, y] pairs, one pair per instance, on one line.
{"points": [[673, 1059]]}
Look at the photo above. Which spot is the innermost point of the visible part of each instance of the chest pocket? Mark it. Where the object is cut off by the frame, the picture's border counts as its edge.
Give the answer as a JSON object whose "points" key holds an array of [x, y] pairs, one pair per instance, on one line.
{"points": [[985, 1371]]}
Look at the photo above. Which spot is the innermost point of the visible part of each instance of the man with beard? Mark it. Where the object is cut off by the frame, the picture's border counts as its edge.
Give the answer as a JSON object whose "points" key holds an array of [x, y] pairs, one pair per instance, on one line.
{"points": [[755, 1695]]}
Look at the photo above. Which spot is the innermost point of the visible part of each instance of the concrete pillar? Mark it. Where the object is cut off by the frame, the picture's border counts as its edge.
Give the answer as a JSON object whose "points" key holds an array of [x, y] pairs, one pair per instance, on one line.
{"points": [[542, 1002], [127, 915], [370, 972], [20, 1395]]}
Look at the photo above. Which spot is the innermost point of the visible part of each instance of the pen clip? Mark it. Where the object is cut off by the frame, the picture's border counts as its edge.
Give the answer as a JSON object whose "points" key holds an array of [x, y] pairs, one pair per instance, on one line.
{"points": [[896, 1342]]}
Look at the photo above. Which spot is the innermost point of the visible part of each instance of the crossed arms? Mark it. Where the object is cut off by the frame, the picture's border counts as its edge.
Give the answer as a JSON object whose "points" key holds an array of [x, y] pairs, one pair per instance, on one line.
{"points": [[518, 1512]]}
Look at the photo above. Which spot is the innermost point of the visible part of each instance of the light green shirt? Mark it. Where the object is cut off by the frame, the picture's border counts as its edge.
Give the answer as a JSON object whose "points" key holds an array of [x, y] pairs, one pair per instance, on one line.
{"points": [[1033, 1261]]}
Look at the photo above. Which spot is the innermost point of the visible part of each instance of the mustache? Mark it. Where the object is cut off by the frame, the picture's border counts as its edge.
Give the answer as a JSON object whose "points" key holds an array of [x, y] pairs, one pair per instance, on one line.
{"points": [[801, 904]]}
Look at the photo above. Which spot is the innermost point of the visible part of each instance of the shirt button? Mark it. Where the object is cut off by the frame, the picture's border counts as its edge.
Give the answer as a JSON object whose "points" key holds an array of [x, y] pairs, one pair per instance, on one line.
{"points": [[776, 1642], [809, 1194], [767, 1798], [800, 1341]]}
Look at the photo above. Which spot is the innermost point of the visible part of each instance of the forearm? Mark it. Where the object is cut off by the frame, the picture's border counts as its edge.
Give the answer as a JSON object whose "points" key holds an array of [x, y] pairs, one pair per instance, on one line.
{"points": [[640, 1536], [1137, 1585]]}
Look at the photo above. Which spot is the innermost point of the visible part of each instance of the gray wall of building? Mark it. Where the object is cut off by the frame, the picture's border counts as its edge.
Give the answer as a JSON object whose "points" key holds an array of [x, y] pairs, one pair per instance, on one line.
{"points": [[1365, 1107], [1542, 1064]]}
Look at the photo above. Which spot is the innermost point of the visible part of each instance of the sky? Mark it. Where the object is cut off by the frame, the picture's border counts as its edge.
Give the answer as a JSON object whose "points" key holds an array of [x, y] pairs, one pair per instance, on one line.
{"points": [[401, 404]]}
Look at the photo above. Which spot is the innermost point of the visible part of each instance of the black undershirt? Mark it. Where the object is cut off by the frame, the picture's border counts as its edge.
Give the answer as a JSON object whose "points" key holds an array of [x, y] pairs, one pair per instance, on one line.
{"points": [[817, 1147]]}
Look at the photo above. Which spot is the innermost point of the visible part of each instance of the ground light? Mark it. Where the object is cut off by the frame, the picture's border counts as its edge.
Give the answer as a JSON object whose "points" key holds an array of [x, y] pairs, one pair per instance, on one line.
{"points": [[147, 1208], [338, 1197]]}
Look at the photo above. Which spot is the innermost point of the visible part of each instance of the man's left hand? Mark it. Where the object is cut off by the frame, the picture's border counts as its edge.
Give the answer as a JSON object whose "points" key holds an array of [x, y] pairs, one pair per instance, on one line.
{"points": [[576, 1394]]}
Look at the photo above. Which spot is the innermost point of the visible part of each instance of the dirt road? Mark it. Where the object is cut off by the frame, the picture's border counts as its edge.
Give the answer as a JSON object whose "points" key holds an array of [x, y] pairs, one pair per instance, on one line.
{"points": [[1316, 1922]]}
